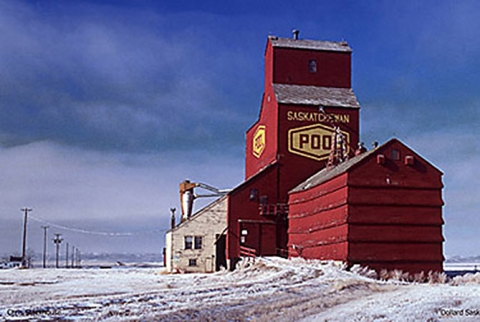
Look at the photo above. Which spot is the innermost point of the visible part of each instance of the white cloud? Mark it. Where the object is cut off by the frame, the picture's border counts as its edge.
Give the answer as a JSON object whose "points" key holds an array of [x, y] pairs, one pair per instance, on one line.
{"points": [[98, 191], [457, 155]]}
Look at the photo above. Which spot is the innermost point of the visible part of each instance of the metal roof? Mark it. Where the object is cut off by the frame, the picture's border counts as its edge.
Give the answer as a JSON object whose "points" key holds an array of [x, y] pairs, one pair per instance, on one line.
{"points": [[314, 95], [310, 44], [327, 174]]}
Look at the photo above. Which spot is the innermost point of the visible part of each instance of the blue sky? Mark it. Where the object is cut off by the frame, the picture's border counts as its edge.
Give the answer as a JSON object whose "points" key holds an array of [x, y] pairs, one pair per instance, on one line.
{"points": [[105, 106]]}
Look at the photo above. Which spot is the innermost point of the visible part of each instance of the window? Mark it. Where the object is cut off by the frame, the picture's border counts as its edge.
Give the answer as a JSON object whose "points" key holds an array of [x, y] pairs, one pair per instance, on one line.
{"points": [[198, 242], [193, 242], [192, 262], [263, 207], [263, 200], [188, 242], [253, 194], [395, 155], [312, 66], [243, 233]]}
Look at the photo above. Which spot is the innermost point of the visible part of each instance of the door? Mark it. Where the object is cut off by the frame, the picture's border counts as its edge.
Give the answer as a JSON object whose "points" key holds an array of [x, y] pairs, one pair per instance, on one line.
{"points": [[220, 247]]}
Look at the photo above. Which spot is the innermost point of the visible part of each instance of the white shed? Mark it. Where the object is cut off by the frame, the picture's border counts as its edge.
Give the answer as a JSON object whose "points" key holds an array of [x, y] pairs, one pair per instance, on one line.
{"points": [[197, 245]]}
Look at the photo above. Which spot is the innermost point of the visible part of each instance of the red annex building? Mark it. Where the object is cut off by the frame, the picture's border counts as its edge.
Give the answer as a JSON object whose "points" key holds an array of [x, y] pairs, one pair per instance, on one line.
{"points": [[307, 98], [381, 209]]}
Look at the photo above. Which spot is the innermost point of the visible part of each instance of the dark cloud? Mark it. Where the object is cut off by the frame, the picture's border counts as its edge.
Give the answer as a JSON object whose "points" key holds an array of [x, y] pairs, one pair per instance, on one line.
{"points": [[108, 82]]}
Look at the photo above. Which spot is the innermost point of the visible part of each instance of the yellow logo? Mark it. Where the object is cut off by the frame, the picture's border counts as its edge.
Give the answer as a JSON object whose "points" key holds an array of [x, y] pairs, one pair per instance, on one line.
{"points": [[312, 141], [259, 141]]}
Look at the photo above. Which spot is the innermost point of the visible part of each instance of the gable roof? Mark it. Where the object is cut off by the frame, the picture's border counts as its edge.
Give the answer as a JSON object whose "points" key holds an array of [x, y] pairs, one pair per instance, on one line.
{"points": [[315, 95], [341, 46], [200, 212], [327, 174]]}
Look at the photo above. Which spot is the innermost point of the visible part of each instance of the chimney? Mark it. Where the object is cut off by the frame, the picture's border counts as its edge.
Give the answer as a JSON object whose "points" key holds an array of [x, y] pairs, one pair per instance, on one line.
{"points": [[295, 33], [172, 219]]}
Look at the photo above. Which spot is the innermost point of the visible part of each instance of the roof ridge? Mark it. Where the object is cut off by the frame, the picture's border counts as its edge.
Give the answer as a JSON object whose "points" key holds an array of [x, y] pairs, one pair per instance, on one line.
{"points": [[330, 173], [326, 45]]}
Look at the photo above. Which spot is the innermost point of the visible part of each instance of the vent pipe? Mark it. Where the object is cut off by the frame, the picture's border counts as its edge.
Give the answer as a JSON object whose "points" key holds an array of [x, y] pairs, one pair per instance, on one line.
{"points": [[361, 149], [295, 33]]}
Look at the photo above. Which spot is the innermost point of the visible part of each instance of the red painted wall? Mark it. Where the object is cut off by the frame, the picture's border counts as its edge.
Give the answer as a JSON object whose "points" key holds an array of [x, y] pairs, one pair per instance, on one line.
{"points": [[291, 66], [315, 212], [335, 251], [416, 190], [268, 61], [269, 119], [393, 212], [277, 121], [292, 168], [334, 70], [298, 167], [405, 215], [244, 213]]}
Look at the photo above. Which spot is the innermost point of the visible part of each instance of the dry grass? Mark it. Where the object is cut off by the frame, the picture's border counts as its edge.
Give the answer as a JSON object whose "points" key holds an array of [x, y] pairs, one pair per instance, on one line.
{"points": [[467, 279], [364, 271], [405, 277], [437, 278]]}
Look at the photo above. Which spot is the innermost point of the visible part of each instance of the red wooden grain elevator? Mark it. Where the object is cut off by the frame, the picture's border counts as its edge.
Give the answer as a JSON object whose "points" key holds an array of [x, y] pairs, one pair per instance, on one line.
{"points": [[381, 208], [307, 94]]}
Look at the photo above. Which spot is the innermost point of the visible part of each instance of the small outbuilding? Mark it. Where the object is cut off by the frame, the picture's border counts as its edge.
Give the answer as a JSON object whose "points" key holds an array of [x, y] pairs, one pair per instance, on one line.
{"points": [[381, 209], [197, 244], [15, 261]]}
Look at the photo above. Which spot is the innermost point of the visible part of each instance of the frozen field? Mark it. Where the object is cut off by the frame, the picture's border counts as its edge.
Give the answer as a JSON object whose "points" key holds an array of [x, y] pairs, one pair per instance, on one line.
{"points": [[272, 289]]}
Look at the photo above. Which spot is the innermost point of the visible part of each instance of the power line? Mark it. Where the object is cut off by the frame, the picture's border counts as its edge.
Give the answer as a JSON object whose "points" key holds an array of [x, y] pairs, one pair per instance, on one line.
{"points": [[102, 233]]}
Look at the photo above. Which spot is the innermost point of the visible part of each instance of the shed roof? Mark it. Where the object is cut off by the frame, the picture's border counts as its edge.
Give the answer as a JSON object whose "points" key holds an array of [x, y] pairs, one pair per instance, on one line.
{"points": [[315, 95], [341, 46], [327, 174]]}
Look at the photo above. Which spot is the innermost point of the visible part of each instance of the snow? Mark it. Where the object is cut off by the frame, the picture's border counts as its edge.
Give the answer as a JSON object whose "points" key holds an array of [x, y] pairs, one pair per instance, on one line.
{"points": [[269, 289]]}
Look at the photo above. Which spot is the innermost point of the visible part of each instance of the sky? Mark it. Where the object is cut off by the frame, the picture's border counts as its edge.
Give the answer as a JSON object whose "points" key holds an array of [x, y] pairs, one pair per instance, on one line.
{"points": [[106, 106]]}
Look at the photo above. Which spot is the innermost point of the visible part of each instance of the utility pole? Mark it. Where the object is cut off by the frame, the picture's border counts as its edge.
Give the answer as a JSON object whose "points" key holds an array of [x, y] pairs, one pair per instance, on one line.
{"points": [[79, 258], [57, 242], [66, 257], [73, 257], [45, 245], [24, 244]]}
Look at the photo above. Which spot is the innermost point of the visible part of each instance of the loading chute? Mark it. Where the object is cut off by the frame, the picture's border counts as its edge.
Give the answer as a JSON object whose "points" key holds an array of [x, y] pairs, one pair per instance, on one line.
{"points": [[187, 195]]}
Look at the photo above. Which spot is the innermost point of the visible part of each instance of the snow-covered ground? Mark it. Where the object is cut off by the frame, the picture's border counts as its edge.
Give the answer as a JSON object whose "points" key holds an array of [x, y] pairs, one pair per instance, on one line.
{"points": [[271, 289]]}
